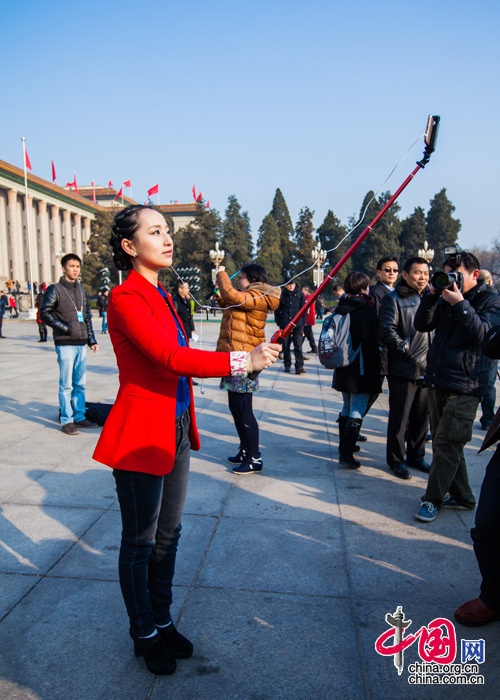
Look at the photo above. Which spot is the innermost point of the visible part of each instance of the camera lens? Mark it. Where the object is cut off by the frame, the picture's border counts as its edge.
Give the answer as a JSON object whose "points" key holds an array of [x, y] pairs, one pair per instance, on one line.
{"points": [[441, 280]]}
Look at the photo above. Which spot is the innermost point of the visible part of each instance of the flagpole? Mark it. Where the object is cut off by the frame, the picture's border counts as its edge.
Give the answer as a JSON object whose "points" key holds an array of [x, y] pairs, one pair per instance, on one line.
{"points": [[31, 311]]}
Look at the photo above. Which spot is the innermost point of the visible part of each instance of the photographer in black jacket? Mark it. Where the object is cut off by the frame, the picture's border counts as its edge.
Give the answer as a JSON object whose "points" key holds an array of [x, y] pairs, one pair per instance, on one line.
{"points": [[407, 354], [457, 376]]}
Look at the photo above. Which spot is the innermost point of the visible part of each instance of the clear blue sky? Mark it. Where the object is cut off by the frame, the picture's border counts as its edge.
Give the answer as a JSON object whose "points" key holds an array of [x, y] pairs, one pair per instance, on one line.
{"points": [[319, 98]]}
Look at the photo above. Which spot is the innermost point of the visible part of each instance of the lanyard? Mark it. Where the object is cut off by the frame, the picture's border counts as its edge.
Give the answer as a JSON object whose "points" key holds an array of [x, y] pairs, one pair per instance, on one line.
{"points": [[71, 300]]}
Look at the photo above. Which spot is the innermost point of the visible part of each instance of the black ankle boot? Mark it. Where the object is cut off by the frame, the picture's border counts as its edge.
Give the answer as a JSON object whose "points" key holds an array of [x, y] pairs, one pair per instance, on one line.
{"points": [[342, 421], [159, 660], [351, 432], [175, 642]]}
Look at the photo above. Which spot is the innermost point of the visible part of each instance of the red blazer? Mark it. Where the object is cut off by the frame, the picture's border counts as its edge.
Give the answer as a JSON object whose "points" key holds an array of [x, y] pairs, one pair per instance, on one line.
{"points": [[139, 434]]}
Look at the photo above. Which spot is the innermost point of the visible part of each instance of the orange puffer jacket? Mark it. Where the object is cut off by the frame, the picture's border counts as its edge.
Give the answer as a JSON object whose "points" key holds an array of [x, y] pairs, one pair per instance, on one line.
{"points": [[242, 328]]}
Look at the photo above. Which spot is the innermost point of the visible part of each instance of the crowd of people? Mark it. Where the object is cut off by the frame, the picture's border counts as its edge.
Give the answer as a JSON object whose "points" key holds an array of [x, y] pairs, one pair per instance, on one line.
{"points": [[433, 343]]}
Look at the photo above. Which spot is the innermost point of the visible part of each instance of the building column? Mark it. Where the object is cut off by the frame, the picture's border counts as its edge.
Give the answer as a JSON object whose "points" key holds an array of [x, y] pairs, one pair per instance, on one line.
{"points": [[57, 243], [68, 233], [78, 235], [4, 233], [86, 234], [46, 263], [16, 238]]}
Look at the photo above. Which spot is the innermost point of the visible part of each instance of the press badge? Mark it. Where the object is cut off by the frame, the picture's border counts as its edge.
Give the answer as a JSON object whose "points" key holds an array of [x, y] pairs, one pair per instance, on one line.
{"points": [[79, 315]]}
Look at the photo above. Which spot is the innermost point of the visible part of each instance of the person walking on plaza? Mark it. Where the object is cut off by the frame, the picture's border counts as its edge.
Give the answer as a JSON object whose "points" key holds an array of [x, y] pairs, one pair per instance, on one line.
{"points": [[292, 300], [457, 375], [182, 303], [3, 306], [42, 327], [486, 531], [102, 305], [151, 428], [13, 306], [242, 328], [407, 355], [489, 398], [310, 322], [66, 310], [361, 379]]}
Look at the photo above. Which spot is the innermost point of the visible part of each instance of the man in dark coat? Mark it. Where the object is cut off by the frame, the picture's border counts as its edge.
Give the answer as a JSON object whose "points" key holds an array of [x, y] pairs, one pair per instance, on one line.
{"points": [[66, 310], [292, 300], [387, 275], [407, 355], [457, 374], [182, 303]]}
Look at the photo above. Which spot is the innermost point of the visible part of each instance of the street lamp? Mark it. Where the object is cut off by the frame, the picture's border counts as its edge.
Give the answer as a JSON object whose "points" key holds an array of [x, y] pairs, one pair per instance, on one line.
{"points": [[426, 253], [319, 257], [216, 256]]}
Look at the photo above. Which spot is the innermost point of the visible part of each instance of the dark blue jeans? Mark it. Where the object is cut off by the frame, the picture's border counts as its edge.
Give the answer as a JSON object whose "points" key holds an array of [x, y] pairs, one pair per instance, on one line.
{"points": [[151, 508]]}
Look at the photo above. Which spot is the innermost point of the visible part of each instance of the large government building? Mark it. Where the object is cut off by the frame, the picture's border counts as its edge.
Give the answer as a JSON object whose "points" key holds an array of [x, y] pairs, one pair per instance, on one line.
{"points": [[60, 223]]}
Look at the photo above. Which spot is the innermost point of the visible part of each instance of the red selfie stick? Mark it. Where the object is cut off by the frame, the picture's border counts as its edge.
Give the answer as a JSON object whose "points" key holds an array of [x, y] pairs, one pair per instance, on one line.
{"points": [[430, 140]]}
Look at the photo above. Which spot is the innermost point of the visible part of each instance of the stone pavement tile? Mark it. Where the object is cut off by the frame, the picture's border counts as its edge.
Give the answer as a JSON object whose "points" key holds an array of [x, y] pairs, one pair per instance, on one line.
{"points": [[79, 488], [376, 498], [12, 588], [45, 444], [419, 565], [262, 646], [301, 499], [208, 488], [71, 643], [96, 557], [35, 537], [384, 683], [16, 477], [281, 556]]}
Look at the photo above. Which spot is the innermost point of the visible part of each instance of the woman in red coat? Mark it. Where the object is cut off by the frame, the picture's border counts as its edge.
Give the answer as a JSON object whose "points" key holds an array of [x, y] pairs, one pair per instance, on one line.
{"points": [[151, 428]]}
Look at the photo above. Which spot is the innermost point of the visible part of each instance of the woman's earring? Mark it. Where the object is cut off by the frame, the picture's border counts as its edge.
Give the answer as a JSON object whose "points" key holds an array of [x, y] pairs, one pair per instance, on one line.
{"points": [[134, 254]]}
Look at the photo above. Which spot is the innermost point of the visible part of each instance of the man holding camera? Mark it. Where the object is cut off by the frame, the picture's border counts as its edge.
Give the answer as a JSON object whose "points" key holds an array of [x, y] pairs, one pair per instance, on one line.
{"points": [[461, 310]]}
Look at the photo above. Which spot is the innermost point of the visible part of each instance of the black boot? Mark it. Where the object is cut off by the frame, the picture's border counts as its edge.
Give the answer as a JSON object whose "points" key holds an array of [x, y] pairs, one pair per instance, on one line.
{"points": [[342, 421], [176, 642], [159, 660], [351, 433]]}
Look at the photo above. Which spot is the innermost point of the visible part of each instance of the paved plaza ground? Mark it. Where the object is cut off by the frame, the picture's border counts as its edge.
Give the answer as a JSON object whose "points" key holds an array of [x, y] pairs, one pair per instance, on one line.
{"points": [[284, 578]]}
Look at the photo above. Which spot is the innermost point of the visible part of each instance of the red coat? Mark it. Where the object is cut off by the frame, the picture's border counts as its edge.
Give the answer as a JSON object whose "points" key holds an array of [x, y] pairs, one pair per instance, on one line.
{"points": [[139, 434]]}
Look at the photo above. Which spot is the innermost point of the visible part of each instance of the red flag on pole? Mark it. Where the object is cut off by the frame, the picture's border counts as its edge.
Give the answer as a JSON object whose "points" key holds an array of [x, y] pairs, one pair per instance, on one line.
{"points": [[28, 164], [119, 194], [208, 204], [110, 183], [53, 172], [194, 193], [73, 184], [200, 197], [93, 192], [127, 183], [176, 201], [153, 190]]}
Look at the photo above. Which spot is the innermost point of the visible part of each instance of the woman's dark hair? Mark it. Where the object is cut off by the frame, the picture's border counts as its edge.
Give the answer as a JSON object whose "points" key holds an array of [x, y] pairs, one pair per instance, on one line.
{"points": [[125, 225], [255, 273], [355, 282]]}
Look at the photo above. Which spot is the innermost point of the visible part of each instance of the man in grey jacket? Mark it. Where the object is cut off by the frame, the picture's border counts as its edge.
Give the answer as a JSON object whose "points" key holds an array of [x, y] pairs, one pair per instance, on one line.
{"points": [[407, 355], [66, 310]]}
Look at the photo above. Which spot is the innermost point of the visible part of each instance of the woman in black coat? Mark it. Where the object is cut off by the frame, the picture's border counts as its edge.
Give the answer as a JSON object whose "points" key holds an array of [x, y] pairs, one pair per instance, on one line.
{"points": [[360, 379]]}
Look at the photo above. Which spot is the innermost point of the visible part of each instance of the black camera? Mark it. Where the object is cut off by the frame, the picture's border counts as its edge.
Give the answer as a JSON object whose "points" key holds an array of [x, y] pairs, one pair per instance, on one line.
{"points": [[445, 280]]}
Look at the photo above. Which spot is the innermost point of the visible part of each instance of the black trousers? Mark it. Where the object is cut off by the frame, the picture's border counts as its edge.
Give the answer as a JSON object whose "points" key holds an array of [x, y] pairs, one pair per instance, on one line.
{"points": [[486, 534], [408, 420], [308, 333], [241, 407], [297, 336]]}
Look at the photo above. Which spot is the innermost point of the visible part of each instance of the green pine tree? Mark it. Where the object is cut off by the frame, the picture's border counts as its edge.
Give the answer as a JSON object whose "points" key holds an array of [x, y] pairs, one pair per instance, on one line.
{"points": [[304, 242], [99, 254], [281, 215], [236, 237], [413, 235], [441, 228], [382, 240], [196, 241], [330, 233], [269, 252]]}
